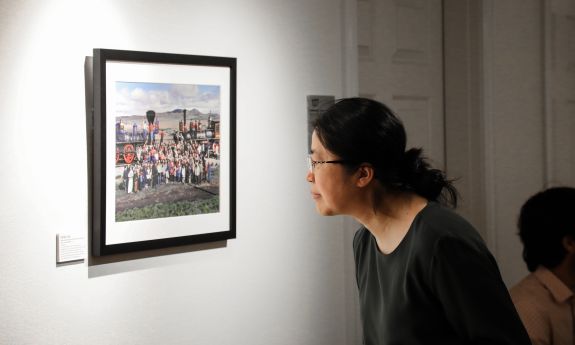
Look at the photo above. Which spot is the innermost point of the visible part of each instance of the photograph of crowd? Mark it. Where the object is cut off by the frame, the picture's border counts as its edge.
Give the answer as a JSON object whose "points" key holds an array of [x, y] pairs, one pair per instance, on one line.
{"points": [[167, 150]]}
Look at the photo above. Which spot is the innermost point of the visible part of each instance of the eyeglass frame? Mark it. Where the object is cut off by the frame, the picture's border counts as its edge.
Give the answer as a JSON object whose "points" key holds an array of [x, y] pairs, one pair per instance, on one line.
{"points": [[312, 163]]}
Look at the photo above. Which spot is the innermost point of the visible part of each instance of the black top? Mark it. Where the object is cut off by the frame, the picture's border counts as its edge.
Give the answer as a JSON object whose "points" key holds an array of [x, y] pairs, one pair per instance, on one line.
{"points": [[439, 286]]}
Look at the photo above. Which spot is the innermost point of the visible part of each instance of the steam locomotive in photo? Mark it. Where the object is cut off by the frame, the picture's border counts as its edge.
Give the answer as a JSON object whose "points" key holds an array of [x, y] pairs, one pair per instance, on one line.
{"points": [[128, 138]]}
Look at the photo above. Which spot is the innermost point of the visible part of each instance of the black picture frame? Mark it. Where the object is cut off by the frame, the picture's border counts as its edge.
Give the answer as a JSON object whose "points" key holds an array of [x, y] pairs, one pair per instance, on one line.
{"points": [[137, 203]]}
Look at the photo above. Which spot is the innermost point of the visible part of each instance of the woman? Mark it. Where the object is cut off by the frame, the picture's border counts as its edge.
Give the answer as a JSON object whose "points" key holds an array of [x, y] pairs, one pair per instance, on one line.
{"points": [[424, 274]]}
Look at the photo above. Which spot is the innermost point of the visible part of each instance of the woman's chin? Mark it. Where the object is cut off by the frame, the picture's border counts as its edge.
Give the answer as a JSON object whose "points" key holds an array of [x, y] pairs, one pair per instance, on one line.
{"points": [[324, 211]]}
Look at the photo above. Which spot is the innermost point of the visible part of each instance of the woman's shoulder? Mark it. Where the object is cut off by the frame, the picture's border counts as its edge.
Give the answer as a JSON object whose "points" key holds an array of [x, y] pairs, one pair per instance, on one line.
{"points": [[441, 220], [361, 237], [436, 223]]}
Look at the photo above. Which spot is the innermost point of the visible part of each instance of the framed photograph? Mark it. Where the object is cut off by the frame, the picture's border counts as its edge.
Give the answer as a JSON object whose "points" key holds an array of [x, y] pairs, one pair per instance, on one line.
{"points": [[164, 165]]}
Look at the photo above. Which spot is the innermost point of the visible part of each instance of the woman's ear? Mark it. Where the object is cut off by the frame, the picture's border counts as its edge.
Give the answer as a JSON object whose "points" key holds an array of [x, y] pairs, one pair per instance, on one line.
{"points": [[364, 174]]}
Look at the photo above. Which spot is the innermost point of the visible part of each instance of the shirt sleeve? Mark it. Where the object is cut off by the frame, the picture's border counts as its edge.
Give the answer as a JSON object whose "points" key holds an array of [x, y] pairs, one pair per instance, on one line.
{"points": [[468, 285], [537, 325]]}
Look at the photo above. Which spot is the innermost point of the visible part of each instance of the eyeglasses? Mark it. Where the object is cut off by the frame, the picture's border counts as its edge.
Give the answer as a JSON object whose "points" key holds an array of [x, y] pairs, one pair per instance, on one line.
{"points": [[311, 163]]}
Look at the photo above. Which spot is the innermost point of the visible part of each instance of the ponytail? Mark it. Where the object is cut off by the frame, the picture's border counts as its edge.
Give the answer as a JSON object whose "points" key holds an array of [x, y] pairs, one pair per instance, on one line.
{"points": [[415, 174]]}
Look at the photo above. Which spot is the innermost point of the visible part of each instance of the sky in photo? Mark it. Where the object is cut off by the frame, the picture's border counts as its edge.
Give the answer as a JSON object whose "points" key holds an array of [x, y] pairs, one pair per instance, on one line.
{"points": [[137, 98]]}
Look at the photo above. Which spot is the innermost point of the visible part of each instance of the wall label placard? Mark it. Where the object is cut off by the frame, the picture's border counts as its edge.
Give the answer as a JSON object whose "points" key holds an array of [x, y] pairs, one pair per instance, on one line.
{"points": [[70, 248]]}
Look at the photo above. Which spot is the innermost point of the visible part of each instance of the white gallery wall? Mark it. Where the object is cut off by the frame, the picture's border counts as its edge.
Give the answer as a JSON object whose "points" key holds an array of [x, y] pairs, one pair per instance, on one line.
{"points": [[288, 277], [280, 282], [513, 110], [494, 117], [525, 141], [498, 126]]}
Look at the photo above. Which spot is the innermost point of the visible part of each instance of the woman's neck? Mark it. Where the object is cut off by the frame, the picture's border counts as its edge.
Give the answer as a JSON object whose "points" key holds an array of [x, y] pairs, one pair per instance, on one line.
{"points": [[391, 219]]}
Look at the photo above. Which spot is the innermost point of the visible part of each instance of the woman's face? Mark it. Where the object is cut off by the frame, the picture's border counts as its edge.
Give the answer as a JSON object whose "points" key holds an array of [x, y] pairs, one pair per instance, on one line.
{"points": [[331, 184]]}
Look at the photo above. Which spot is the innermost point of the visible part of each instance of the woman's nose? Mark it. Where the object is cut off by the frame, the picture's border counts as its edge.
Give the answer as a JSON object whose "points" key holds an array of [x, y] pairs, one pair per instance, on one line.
{"points": [[309, 177]]}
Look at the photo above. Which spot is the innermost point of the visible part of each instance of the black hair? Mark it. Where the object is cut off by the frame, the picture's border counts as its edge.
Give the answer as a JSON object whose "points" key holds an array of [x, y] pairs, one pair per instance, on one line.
{"points": [[545, 219], [360, 130]]}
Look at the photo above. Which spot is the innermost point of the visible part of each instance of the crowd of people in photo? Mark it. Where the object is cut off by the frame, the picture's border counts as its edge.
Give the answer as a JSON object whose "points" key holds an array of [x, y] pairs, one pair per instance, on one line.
{"points": [[181, 160]]}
